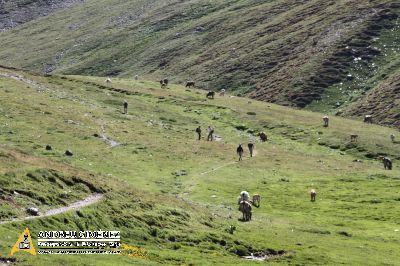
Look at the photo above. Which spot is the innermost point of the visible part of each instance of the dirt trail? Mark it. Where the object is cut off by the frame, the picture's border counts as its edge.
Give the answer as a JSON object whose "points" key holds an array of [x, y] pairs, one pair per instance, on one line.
{"points": [[24, 80], [216, 169], [227, 164], [105, 139], [92, 199]]}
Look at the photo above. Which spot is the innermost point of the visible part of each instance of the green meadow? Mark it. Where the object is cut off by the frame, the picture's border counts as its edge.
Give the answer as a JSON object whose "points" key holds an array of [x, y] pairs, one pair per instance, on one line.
{"points": [[176, 197]]}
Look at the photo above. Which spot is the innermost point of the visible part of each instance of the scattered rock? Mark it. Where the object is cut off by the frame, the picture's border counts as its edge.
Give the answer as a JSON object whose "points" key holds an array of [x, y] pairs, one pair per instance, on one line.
{"points": [[299, 244], [49, 148], [68, 153], [33, 211], [344, 233], [180, 173]]}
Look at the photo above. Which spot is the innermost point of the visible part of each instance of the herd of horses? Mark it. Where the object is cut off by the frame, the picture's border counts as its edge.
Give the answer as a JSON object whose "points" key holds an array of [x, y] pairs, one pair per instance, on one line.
{"points": [[245, 204], [387, 162]]}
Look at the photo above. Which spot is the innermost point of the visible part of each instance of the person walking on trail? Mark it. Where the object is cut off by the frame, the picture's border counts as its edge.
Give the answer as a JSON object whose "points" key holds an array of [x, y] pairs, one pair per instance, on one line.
{"points": [[125, 107], [210, 136], [198, 131], [239, 151], [251, 148]]}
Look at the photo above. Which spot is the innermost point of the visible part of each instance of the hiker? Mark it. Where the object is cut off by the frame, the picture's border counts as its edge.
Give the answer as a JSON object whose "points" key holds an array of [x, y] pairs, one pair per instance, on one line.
{"points": [[198, 131], [125, 107], [210, 136], [251, 148], [239, 151]]}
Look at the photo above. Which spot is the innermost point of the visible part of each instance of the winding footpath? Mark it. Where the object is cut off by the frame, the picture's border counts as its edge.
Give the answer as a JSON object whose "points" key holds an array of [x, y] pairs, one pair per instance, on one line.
{"points": [[92, 199]]}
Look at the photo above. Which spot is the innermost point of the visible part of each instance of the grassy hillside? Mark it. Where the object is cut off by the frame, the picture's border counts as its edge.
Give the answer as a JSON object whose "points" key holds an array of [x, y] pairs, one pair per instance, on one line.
{"points": [[382, 102], [179, 218], [16, 12], [289, 52]]}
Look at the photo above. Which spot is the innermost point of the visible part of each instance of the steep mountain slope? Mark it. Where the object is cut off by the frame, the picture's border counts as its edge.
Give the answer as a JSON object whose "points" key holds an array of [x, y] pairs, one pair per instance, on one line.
{"points": [[285, 51], [383, 102], [16, 12], [174, 197]]}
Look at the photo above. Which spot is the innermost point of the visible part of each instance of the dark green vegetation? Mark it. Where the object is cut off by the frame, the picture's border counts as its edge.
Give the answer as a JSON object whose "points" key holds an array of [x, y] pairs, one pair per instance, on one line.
{"points": [[177, 197], [325, 55]]}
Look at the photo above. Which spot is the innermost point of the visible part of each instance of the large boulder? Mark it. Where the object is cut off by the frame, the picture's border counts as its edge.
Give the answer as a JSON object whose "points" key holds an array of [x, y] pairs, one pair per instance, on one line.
{"points": [[33, 211]]}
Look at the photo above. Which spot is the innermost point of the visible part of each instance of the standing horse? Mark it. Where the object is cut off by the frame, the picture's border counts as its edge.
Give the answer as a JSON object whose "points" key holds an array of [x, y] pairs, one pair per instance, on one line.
{"points": [[245, 208], [313, 194], [326, 121], [189, 84], [256, 200], [387, 163]]}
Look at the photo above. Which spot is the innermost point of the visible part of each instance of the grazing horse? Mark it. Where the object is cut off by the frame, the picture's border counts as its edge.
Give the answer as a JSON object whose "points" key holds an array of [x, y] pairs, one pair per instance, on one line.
{"points": [[353, 138], [326, 121], [263, 136], [239, 151], [245, 208], [164, 83], [189, 84], [108, 80], [210, 95], [256, 200], [392, 137], [251, 148], [222, 92], [313, 194], [368, 119]]}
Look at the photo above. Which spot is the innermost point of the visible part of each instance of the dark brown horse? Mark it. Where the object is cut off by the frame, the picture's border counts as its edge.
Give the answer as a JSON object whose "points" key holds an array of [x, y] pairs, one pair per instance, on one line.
{"points": [[263, 137], [189, 84], [164, 83], [210, 95]]}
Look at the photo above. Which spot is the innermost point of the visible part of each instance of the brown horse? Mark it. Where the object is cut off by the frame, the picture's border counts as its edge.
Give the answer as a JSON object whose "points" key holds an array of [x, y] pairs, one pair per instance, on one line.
{"points": [[245, 208], [256, 200], [326, 121], [164, 83], [189, 84], [210, 95], [263, 137]]}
